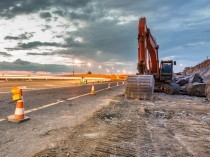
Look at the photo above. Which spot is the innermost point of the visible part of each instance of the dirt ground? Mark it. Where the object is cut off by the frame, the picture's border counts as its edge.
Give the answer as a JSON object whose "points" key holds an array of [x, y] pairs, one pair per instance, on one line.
{"points": [[170, 125]]}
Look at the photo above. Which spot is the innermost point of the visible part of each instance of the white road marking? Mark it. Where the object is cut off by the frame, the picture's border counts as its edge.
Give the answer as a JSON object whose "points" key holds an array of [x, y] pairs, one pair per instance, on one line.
{"points": [[22, 87], [5, 92], [55, 103], [35, 89]]}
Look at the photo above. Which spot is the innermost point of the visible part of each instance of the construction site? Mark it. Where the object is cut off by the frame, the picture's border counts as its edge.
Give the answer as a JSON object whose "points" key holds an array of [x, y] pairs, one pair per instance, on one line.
{"points": [[154, 113], [94, 105]]}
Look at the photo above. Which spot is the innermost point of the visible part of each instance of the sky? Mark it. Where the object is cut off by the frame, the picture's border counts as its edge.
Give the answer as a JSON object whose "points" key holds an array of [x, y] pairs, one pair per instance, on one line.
{"points": [[58, 36]]}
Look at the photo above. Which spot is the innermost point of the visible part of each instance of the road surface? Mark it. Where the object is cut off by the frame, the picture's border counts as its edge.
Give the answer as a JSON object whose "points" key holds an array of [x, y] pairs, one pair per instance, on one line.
{"points": [[50, 110], [28, 85]]}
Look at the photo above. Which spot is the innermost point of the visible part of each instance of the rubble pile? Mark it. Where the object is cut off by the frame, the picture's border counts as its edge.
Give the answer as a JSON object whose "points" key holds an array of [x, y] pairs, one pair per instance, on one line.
{"points": [[207, 90], [196, 83]]}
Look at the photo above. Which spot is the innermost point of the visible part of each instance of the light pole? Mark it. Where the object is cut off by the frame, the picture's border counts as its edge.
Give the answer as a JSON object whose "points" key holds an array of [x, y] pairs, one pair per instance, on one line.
{"points": [[99, 67], [73, 66], [112, 70], [81, 66], [89, 65], [73, 69], [124, 71], [77, 62], [108, 71]]}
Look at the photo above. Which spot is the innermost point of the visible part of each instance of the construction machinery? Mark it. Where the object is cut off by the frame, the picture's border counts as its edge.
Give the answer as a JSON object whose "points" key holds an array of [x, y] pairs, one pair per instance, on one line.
{"points": [[152, 74]]}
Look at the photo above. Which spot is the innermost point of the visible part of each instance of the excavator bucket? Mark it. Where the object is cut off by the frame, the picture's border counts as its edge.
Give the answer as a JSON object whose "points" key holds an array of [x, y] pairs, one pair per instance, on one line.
{"points": [[140, 87]]}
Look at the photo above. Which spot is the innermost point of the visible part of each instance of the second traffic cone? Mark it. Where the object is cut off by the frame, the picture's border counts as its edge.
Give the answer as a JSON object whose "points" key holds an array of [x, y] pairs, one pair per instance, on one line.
{"points": [[117, 84], [92, 90], [109, 86], [19, 113]]}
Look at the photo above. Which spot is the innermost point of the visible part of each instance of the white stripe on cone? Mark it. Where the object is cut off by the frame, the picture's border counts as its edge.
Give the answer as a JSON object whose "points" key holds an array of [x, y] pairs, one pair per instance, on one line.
{"points": [[19, 111]]}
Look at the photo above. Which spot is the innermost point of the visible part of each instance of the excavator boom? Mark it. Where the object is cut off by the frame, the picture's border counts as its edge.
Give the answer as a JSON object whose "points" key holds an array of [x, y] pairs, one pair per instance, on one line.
{"points": [[148, 61]]}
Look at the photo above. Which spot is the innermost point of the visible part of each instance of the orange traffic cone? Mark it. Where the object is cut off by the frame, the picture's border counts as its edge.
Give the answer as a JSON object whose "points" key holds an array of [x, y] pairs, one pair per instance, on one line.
{"points": [[92, 90], [109, 86], [19, 113]]}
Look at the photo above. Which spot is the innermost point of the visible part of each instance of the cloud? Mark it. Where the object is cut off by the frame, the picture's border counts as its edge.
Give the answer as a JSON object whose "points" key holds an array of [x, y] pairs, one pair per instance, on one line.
{"points": [[24, 36], [35, 44], [11, 8], [46, 27], [5, 54], [41, 54], [72, 42], [21, 62], [103, 31], [169, 58], [45, 15], [195, 44], [20, 65], [69, 42]]}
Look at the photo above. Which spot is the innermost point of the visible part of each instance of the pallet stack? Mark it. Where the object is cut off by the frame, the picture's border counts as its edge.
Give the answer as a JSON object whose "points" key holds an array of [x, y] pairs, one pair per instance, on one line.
{"points": [[140, 87]]}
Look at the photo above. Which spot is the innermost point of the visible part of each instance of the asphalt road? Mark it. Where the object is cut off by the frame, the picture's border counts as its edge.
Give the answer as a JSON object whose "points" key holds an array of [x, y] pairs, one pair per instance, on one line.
{"points": [[37, 96], [50, 110], [28, 85]]}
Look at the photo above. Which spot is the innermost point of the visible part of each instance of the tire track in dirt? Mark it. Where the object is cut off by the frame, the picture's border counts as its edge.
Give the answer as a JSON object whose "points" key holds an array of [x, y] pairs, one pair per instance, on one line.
{"points": [[133, 128]]}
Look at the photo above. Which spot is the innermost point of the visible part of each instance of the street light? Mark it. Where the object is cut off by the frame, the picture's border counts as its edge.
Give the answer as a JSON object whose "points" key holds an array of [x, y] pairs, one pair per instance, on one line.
{"points": [[81, 66], [73, 65], [108, 71], [89, 65], [112, 70], [124, 71], [99, 67], [76, 61]]}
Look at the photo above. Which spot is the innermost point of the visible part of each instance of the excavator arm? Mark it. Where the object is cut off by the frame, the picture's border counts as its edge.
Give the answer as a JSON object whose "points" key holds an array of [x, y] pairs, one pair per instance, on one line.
{"points": [[148, 61]]}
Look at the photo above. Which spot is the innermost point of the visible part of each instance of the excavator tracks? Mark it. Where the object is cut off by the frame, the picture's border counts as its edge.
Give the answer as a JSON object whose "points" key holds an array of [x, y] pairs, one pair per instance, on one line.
{"points": [[171, 88]]}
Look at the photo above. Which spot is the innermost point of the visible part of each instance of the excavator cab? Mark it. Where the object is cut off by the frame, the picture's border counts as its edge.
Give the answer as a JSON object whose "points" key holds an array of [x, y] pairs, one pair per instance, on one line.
{"points": [[166, 70]]}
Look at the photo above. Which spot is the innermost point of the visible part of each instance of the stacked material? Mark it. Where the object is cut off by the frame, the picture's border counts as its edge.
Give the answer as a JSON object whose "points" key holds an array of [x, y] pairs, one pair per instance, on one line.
{"points": [[140, 87], [207, 90], [192, 85], [195, 89]]}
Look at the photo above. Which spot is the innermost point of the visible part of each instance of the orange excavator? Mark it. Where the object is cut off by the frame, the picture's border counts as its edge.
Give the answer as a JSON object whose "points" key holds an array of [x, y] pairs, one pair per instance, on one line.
{"points": [[148, 61]]}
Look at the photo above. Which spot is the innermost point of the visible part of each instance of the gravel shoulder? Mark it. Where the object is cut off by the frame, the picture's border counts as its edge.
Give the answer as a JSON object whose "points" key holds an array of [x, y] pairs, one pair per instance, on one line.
{"points": [[170, 125]]}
